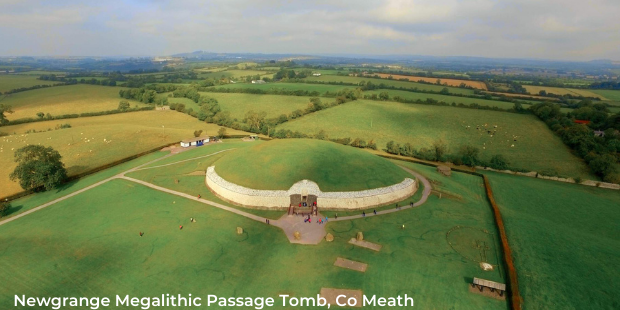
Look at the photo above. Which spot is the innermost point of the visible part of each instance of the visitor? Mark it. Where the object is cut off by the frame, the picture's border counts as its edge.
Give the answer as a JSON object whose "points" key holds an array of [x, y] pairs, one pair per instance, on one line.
{"points": [[403, 226], [141, 233], [199, 196], [180, 227], [336, 215], [326, 219], [411, 204], [375, 211], [363, 213]]}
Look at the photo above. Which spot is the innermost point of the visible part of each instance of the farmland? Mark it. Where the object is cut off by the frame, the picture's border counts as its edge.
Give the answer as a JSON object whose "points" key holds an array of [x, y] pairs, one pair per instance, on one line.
{"points": [[613, 95], [274, 105], [536, 148], [447, 99], [10, 82], [392, 83], [64, 100], [448, 82], [535, 90], [83, 147], [564, 239], [320, 88]]}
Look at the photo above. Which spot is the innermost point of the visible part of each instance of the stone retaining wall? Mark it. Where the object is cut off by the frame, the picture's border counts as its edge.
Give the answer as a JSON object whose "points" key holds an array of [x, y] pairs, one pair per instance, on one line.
{"points": [[278, 199]]}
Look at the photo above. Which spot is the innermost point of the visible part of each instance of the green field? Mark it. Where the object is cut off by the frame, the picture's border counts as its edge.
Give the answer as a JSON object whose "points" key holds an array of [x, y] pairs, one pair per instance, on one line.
{"points": [[64, 100], [536, 148], [274, 105], [613, 95], [89, 245], [278, 164], [448, 99], [394, 83], [83, 146], [565, 241], [10, 82], [535, 90], [289, 86]]}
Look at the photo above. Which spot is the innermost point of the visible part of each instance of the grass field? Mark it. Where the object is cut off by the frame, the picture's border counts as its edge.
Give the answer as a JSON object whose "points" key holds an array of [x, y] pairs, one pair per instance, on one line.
{"points": [[564, 239], [448, 99], [536, 148], [403, 84], [89, 245], [613, 95], [83, 146], [186, 172], [289, 86], [535, 90], [274, 105], [10, 82], [448, 82], [64, 100], [278, 164]]}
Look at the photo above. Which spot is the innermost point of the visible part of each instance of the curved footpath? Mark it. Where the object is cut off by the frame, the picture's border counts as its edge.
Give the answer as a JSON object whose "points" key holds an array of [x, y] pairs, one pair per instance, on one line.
{"points": [[311, 233]]}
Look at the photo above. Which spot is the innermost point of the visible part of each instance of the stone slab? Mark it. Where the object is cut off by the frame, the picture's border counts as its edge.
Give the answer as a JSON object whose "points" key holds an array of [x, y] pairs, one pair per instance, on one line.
{"points": [[350, 264], [366, 244]]}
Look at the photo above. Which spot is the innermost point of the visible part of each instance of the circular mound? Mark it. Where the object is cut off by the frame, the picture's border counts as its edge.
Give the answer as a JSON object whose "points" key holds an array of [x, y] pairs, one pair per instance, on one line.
{"points": [[278, 164]]}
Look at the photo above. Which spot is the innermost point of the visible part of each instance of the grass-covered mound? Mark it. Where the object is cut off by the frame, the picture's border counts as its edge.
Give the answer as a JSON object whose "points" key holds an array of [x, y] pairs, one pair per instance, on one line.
{"points": [[279, 164]]}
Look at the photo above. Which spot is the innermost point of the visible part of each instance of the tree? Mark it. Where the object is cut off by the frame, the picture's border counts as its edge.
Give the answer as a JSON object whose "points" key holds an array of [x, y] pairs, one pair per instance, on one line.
{"points": [[4, 208], [603, 165], [221, 132], [197, 133], [40, 115], [393, 148], [384, 95], [445, 91], [123, 105], [440, 149], [499, 162], [4, 109], [322, 135], [469, 155], [38, 167]]}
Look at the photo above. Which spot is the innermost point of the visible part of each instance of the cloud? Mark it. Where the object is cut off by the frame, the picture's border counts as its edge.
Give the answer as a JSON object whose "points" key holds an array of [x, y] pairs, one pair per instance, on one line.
{"points": [[551, 29]]}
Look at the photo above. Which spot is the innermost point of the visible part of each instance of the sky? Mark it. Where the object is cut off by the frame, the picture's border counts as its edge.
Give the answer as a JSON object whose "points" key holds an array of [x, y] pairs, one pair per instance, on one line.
{"points": [[542, 29]]}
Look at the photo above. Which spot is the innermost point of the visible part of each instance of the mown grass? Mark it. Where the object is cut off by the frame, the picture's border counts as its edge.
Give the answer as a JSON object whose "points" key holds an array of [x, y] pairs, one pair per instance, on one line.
{"points": [[186, 172], [564, 240], [394, 83], [278, 164], [536, 148], [83, 147], [60, 100], [274, 105], [10, 82], [89, 245]]}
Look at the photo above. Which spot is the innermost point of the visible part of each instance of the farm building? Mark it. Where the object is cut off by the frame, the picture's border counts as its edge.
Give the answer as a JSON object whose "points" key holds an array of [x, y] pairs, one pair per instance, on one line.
{"points": [[195, 142], [316, 74], [445, 170], [258, 82]]}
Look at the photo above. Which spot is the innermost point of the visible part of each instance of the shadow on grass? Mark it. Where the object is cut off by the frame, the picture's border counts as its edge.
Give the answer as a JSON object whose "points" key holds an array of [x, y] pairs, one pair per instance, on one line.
{"points": [[13, 210]]}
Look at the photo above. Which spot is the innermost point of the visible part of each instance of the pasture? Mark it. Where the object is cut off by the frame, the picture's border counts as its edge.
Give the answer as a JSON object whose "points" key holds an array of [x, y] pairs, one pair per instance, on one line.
{"points": [[536, 148], [208, 257], [443, 81], [392, 83], [60, 100], [535, 90], [613, 95], [447, 99], [564, 240], [15, 81], [274, 105], [83, 146], [320, 88], [278, 164]]}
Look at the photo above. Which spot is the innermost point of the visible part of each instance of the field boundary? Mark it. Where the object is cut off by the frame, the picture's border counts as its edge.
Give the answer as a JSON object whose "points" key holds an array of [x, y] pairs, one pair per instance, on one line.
{"points": [[516, 302], [92, 171]]}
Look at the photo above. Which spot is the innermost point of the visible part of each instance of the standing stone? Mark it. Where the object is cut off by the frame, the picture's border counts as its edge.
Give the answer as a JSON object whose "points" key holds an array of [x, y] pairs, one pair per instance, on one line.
{"points": [[297, 235], [360, 236], [239, 230], [329, 237]]}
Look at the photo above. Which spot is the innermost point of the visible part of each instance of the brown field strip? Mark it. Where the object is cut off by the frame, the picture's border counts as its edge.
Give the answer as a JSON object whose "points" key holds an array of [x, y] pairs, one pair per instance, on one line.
{"points": [[449, 82]]}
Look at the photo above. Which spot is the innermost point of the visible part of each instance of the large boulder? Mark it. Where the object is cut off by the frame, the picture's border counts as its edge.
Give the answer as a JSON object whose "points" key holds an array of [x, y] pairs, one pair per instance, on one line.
{"points": [[329, 237], [360, 236], [297, 235], [239, 230]]}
